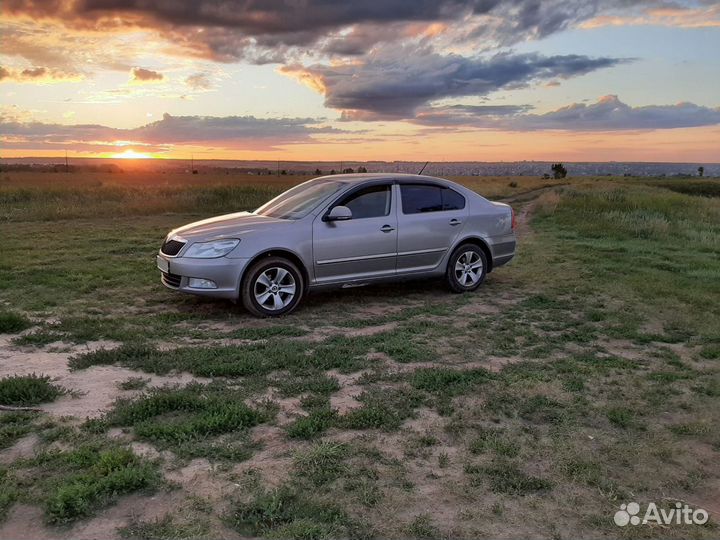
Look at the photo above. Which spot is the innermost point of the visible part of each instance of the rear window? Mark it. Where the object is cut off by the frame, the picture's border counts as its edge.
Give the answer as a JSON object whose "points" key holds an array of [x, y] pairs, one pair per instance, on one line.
{"points": [[421, 198], [452, 200]]}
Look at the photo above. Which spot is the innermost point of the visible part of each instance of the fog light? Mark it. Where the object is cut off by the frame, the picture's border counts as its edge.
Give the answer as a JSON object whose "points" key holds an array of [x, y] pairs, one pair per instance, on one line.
{"points": [[199, 283]]}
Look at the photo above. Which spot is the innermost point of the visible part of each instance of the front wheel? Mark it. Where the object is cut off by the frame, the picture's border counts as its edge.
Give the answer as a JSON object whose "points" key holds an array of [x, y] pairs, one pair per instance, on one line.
{"points": [[466, 268], [272, 286]]}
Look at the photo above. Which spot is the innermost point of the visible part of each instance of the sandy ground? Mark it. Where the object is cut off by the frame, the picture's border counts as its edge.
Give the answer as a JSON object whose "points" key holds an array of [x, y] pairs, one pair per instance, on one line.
{"points": [[93, 390]]}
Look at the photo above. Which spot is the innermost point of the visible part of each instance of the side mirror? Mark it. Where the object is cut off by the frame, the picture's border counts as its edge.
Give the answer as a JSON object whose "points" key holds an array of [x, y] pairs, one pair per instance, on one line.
{"points": [[339, 213]]}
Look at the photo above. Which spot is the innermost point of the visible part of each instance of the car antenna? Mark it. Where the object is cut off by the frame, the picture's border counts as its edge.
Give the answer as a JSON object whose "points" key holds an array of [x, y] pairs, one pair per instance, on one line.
{"points": [[423, 167]]}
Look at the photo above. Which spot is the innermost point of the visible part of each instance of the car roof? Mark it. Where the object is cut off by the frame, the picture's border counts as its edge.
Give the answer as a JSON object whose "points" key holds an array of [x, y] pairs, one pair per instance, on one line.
{"points": [[355, 178]]}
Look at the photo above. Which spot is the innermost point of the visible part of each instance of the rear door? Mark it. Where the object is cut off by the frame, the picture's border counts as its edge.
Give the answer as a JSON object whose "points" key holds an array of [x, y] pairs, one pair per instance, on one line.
{"points": [[362, 247], [430, 217]]}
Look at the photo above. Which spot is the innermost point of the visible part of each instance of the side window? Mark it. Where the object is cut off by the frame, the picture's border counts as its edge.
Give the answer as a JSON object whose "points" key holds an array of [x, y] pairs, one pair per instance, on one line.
{"points": [[452, 200], [420, 198], [369, 202]]}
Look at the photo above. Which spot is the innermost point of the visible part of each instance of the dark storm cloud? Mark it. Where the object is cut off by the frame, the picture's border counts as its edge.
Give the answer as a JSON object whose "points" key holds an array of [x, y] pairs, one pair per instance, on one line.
{"points": [[395, 81], [607, 114], [241, 132], [227, 30], [263, 17]]}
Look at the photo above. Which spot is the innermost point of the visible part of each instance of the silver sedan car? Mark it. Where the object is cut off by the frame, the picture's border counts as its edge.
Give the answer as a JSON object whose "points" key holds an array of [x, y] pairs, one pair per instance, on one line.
{"points": [[341, 231]]}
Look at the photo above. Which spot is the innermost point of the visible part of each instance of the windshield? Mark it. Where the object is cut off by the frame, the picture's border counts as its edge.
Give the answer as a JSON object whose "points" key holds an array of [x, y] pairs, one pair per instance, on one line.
{"points": [[299, 201]]}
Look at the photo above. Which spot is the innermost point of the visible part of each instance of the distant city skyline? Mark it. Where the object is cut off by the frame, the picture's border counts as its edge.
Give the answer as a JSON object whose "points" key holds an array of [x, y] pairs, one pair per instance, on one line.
{"points": [[438, 80]]}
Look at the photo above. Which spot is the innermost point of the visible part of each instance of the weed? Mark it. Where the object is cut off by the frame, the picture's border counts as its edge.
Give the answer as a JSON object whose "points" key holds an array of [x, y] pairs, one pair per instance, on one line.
{"points": [[289, 513], [382, 410], [316, 383], [496, 441], [448, 381], [313, 424], [11, 323], [73, 484], [422, 527], [133, 383], [177, 415], [166, 528], [321, 463], [508, 479], [620, 416], [28, 390], [14, 425]]}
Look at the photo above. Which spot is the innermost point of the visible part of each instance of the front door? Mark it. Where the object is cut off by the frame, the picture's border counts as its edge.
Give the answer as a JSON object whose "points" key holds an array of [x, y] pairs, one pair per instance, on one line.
{"points": [[362, 247]]}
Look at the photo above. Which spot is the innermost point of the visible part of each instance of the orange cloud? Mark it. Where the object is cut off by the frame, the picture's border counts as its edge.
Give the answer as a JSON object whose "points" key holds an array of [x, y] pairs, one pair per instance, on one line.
{"points": [[142, 75], [677, 17], [38, 75]]}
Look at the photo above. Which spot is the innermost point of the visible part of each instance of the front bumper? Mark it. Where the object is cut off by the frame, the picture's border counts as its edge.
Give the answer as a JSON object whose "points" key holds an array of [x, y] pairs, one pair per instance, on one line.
{"points": [[226, 273]]}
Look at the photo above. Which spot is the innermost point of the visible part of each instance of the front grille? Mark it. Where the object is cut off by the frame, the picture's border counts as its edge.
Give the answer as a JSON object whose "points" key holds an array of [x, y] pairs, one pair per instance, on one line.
{"points": [[172, 247], [172, 280]]}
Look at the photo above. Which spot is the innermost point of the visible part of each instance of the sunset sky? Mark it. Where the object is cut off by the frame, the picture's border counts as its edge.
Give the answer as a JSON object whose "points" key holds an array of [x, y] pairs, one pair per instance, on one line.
{"points": [[439, 80]]}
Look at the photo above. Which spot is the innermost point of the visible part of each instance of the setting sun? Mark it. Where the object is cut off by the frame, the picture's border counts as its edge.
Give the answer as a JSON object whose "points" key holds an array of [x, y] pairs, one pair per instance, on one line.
{"points": [[131, 154]]}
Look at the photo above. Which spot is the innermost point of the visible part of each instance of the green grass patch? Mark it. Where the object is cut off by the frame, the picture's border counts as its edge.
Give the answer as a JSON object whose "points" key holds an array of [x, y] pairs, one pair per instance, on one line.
{"points": [[175, 416], [710, 351], [14, 425], [315, 383], [290, 513], [12, 323], [315, 423], [422, 527], [73, 484], [507, 479], [168, 527], [321, 463], [621, 416], [24, 390], [449, 381], [133, 383], [382, 409], [496, 441]]}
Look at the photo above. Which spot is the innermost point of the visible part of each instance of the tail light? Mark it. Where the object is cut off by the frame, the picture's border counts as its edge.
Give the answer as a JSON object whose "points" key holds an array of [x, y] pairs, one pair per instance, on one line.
{"points": [[514, 219]]}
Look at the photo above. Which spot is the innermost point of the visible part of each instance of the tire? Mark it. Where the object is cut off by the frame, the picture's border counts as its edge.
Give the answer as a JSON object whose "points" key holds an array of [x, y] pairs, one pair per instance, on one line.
{"points": [[272, 286], [466, 257]]}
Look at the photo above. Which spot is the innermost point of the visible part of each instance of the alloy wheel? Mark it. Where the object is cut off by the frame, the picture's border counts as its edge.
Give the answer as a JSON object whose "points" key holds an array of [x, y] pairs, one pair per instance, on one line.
{"points": [[274, 288], [468, 268]]}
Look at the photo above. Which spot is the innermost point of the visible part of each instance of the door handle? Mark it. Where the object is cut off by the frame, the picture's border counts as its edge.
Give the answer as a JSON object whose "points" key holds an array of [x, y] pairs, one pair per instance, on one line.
{"points": [[454, 222], [387, 228]]}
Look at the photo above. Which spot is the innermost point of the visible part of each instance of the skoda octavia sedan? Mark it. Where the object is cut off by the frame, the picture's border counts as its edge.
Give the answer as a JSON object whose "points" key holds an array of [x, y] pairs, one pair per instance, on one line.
{"points": [[341, 231]]}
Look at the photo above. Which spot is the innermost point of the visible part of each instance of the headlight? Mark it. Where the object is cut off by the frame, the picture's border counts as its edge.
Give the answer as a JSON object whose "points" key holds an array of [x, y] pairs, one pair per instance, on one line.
{"points": [[211, 250]]}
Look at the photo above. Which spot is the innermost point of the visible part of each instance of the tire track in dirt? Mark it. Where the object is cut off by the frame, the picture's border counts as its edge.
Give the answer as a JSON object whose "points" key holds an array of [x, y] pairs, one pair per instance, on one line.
{"points": [[529, 201]]}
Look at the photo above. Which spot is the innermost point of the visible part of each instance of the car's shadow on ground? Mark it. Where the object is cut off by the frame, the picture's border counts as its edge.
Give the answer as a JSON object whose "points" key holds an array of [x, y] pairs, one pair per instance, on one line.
{"points": [[338, 302]]}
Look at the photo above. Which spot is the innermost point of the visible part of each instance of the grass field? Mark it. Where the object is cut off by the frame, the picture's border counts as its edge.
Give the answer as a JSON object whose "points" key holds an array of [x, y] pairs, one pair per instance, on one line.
{"points": [[584, 375]]}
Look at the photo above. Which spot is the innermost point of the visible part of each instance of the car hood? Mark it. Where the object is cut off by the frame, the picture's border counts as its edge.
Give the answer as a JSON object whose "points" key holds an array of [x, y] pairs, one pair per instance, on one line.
{"points": [[227, 226]]}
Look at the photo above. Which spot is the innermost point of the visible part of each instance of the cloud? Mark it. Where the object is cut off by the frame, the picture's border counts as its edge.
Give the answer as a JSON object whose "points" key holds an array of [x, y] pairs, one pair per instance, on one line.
{"points": [[142, 75], [198, 81], [234, 132], [607, 114], [274, 30], [676, 16], [393, 82], [461, 115], [38, 75]]}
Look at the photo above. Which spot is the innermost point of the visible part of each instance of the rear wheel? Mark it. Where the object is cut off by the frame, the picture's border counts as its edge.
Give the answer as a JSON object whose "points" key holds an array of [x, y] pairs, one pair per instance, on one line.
{"points": [[272, 286], [466, 268]]}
